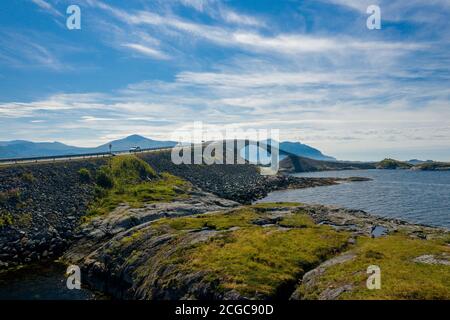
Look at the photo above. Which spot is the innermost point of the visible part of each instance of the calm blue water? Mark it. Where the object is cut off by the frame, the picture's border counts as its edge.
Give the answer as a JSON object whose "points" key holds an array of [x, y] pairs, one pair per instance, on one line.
{"points": [[414, 196]]}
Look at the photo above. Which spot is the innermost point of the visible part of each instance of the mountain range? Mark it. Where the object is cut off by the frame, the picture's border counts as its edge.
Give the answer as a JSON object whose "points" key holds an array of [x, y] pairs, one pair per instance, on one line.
{"points": [[28, 149]]}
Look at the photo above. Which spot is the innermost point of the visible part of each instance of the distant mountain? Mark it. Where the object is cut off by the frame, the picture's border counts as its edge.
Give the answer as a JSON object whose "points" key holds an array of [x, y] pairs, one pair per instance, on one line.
{"points": [[416, 161], [303, 150], [28, 149], [287, 148], [132, 141]]}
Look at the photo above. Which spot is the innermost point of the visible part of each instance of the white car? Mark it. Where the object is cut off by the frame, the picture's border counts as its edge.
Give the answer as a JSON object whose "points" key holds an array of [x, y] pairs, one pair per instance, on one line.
{"points": [[135, 149]]}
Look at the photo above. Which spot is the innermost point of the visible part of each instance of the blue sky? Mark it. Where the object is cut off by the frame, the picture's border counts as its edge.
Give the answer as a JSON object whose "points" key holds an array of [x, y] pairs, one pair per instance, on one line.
{"points": [[309, 68]]}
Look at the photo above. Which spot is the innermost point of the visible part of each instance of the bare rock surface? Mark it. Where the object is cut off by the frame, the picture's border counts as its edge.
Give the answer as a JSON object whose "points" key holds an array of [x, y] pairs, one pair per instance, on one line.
{"points": [[433, 259]]}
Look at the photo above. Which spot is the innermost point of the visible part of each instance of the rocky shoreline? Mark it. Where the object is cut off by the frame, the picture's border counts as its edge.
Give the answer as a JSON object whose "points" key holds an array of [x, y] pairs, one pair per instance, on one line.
{"points": [[147, 251], [241, 183], [130, 261], [41, 204]]}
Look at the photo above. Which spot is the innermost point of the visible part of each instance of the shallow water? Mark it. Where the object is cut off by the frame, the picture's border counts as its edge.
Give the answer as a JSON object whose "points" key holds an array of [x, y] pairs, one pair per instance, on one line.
{"points": [[40, 282], [414, 196]]}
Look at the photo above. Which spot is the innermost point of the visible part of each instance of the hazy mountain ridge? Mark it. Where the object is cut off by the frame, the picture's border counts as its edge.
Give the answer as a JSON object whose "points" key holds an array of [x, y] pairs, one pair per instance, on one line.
{"points": [[304, 150], [26, 149]]}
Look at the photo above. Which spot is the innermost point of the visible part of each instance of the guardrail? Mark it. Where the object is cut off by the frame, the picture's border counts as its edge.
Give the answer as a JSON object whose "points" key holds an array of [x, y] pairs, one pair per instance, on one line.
{"points": [[76, 156]]}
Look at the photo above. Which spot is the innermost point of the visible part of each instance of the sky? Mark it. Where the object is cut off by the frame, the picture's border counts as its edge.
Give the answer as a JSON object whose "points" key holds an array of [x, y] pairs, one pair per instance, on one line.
{"points": [[311, 69]]}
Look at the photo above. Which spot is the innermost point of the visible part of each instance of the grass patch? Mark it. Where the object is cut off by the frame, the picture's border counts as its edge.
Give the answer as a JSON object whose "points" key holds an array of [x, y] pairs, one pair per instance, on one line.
{"points": [[271, 205], [216, 221], [84, 175], [260, 261], [131, 170], [24, 220], [253, 260], [6, 219], [401, 277], [297, 220], [132, 181], [27, 177]]}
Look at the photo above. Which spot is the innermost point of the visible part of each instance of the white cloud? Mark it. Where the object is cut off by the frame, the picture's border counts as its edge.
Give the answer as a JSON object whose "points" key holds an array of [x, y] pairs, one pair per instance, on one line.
{"points": [[231, 16], [22, 51], [198, 5], [47, 7], [147, 51], [332, 111], [263, 79]]}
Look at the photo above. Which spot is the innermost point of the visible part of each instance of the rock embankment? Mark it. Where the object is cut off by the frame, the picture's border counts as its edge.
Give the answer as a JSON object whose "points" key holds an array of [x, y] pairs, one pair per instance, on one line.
{"points": [[40, 206], [241, 183]]}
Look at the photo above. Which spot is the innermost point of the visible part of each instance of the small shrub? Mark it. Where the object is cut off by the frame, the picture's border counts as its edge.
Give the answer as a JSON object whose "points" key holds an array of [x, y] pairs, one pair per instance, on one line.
{"points": [[131, 170], [84, 175], [25, 220], [104, 178], [27, 177], [6, 219], [100, 192]]}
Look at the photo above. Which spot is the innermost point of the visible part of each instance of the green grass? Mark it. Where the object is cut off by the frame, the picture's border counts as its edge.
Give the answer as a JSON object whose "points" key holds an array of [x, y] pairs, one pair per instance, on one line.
{"points": [[271, 205], [252, 259], [297, 220], [401, 277], [131, 169], [84, 175], [242, 217], [6, 219], [27, 177], [260, 261], [216, 221], [135, 183]]}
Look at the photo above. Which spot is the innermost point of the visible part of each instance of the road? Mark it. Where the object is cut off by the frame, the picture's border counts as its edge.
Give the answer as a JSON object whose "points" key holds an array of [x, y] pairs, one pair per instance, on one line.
{"points": [[50, 159]]}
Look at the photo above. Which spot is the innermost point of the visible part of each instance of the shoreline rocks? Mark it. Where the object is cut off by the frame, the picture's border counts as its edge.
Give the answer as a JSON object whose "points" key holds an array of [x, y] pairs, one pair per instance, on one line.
{"points": [[132, 263]]}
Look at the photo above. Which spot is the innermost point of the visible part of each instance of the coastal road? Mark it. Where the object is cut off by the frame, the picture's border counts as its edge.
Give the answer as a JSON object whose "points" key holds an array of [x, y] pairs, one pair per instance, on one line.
{"points": [[50, 159]]}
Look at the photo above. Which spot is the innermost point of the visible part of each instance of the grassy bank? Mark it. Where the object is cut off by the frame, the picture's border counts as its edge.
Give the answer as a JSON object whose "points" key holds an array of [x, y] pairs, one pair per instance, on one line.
{"points": [[403, 275], [263, 251], [130, 180]]}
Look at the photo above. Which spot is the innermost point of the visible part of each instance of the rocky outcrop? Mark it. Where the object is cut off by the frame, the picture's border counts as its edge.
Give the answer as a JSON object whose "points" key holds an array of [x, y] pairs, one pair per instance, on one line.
{"points": [[128, 229], [142, 258], [292, 164], [310, 279], [433, 259]]}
